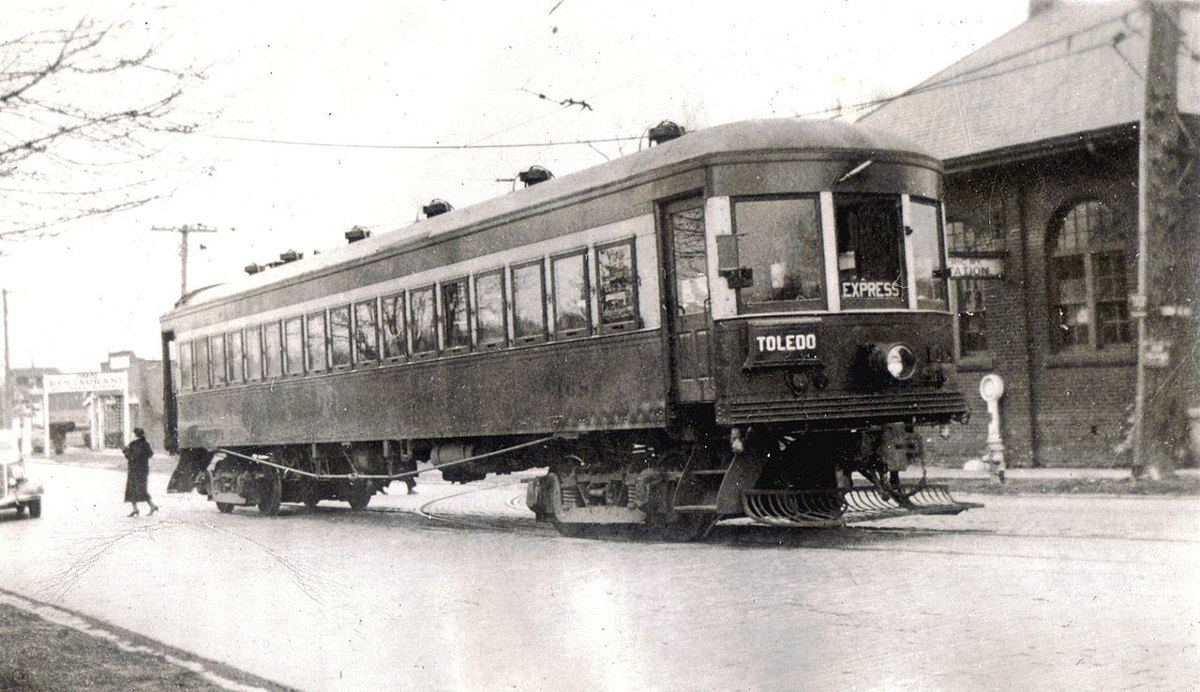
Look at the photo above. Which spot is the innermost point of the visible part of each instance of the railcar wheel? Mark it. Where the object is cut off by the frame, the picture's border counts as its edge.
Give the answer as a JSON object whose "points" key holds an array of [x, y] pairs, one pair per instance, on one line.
{"points": [[225, 507], [272, 494], [684, 528]]}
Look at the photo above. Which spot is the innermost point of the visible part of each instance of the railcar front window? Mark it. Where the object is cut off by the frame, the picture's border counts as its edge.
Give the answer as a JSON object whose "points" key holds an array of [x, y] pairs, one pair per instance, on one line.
{"points": [[339, 337], [780, 241], [490, 326], [456, 322], [293, 344], [870, 251], [233, 349], [393, 327], [366, 332], [926, 241], [529, 313], [272, 350], [216, 355], [187, 377], [424, 321], [254, 346], [617, 283], [572, 305], [316, 342]]}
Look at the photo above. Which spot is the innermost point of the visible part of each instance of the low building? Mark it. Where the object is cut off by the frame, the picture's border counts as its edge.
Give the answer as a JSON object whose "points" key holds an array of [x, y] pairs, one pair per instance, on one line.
{"points": [[1073, 219]]}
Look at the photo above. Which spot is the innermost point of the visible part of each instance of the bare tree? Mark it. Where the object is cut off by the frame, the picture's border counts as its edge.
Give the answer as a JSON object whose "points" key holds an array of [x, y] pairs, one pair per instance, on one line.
{"points": [[83, 111]]}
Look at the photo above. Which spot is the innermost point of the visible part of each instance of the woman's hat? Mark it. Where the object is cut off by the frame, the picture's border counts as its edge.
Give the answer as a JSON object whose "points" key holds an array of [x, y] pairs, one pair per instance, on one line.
{"points": [[139, 432]]}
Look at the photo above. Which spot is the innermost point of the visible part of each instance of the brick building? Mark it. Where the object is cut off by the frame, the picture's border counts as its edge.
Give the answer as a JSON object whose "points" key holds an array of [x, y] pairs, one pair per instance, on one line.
{"points": [[1044, 136]]}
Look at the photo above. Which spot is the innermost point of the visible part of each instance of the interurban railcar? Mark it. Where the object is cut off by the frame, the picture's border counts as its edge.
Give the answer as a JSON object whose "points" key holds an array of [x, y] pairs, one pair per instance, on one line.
{"points": [[729, 323]]}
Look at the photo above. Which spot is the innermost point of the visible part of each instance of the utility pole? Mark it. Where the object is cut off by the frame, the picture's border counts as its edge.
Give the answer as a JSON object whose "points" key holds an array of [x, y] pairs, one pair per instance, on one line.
{"points": [[1167, 379], [183, 232], [6, 405]]}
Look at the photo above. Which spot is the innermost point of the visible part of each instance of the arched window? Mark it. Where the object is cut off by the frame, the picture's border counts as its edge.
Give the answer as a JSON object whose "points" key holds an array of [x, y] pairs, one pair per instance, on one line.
{"points": [[1089, 303], [963, 239]]}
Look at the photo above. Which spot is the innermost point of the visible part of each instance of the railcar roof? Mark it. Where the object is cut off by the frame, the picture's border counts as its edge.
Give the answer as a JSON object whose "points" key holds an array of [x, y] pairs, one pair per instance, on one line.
{"points": [[784, 134]]}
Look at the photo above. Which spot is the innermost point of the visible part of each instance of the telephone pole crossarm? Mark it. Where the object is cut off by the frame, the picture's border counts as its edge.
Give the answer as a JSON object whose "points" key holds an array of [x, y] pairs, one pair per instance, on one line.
{"points": [[183, 232]]}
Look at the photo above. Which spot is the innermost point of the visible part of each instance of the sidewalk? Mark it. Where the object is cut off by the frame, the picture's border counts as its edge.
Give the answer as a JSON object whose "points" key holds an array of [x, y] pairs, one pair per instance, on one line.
{"points": [[1037, 474]]}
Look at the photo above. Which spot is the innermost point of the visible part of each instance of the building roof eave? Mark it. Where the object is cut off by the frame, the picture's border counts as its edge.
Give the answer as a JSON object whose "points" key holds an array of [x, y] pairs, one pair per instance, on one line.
{"points": [[1044, 148]]}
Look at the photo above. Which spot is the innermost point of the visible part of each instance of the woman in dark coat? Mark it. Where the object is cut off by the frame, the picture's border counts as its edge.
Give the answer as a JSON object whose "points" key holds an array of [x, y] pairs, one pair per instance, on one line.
{"points": [[136, 483]]}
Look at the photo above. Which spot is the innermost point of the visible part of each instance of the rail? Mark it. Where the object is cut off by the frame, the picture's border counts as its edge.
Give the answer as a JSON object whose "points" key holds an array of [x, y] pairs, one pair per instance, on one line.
{"points": [[380, 477]]}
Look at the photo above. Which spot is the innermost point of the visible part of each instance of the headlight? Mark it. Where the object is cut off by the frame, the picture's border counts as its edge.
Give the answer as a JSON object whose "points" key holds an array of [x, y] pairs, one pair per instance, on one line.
{"points": [[897, 360]]}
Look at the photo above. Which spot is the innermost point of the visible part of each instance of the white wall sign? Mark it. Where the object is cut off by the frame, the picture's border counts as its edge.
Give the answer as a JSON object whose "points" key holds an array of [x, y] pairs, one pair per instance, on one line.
{"points": [[976, 267], [85, 382]]}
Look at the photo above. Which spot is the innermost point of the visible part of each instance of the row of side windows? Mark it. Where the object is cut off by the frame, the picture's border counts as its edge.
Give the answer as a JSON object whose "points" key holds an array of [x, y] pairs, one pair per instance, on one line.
{"points": [[511, 306]]}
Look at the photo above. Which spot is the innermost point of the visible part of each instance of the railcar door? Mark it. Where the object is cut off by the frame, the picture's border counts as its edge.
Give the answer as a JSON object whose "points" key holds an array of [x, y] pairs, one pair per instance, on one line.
{"points": [[688, 318]]}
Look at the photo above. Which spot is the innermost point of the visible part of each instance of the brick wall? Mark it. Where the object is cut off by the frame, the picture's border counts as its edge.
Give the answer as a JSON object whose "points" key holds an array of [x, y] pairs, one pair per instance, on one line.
{"points": [[1060, 408]]}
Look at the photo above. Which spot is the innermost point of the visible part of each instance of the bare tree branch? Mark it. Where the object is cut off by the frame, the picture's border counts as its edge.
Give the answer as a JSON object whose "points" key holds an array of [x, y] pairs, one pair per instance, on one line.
{"points": [[83, 110]]}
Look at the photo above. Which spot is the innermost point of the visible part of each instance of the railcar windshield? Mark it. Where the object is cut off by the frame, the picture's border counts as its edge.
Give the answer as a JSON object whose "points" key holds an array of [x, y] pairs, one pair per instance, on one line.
{"points": [[877, 244], [780, 241]]}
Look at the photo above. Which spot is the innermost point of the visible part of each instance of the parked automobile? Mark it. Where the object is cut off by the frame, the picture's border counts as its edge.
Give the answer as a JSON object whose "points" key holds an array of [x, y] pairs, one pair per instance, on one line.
{"points": [[17, 490]]}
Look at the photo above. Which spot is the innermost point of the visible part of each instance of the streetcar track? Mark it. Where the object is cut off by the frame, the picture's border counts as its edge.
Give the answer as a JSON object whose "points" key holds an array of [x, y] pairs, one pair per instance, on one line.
{"points": [[491, 523], [731, 534]]}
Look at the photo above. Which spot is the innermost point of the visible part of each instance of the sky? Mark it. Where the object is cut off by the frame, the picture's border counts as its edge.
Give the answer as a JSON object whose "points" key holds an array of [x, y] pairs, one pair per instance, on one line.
{"points": [[307, 111]]}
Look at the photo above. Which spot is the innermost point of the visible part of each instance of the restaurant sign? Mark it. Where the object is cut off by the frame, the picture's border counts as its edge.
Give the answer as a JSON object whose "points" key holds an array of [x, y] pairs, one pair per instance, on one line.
{"points": [[86, 382]]}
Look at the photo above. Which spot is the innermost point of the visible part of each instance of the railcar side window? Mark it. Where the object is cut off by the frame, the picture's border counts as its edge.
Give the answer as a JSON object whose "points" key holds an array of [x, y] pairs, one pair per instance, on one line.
{"points": [[187, 379], [870, 251], [233, 351], [216, 356], [616, 282], [780, 241], [456, 323], [366, 332], [926, 240], [339, 337], [393, 327], [572, 304], [200, 357], [254, 350], [293, 346], [272, 350], [316, 342], [424, 321], [491, 329], [529, 303]]}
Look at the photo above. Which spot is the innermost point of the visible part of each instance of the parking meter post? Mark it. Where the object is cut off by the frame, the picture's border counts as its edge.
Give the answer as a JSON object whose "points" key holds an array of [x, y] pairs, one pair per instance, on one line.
{"points": [[991, 389]]}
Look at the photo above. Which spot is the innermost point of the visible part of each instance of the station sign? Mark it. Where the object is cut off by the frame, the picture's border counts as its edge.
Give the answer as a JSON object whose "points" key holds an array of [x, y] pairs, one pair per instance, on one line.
{"points": [[976, 267], [85, 382]]}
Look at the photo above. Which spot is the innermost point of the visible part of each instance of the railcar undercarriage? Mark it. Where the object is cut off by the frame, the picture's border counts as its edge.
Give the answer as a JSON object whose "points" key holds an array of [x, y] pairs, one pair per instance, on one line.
{"points": [[639, 483], [678, 491]]}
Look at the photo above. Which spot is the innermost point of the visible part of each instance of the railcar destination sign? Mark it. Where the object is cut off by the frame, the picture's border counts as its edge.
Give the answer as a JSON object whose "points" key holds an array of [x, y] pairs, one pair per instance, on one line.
{"points": [[783, 345]]}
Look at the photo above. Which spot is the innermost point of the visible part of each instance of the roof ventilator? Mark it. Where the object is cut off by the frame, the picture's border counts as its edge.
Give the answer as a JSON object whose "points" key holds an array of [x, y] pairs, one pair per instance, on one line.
{"points": [[534, 175], [357, 233], [665, 132], [290, 256], [436, 207]]}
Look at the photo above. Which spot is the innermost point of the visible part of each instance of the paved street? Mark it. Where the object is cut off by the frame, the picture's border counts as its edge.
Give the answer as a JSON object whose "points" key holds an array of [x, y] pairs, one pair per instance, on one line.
{"points": [[458, 589]]}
